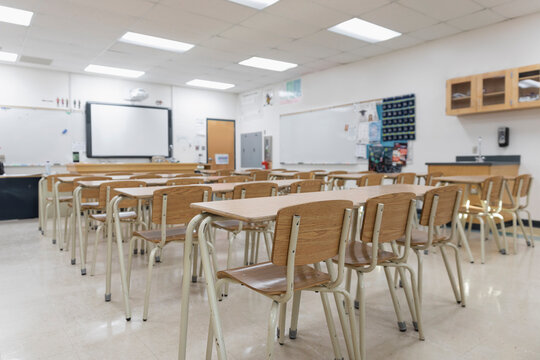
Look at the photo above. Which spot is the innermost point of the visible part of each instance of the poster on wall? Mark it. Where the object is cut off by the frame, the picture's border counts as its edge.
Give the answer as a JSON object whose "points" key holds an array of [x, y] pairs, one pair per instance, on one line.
{"points": [[291, 92], [399, 155]]}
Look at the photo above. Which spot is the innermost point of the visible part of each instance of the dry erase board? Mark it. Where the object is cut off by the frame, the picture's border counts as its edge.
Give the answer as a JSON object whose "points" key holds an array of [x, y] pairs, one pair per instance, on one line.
{"points": [[327, 136], [29, 136]]}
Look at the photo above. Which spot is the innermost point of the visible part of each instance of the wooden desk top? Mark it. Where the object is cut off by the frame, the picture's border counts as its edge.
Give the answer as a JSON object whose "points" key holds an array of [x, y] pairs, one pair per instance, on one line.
{"points": [[147, 192], [265, 209]]}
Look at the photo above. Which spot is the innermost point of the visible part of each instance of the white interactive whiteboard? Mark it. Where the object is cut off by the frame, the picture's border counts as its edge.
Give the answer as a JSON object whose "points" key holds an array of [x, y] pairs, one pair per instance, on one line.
{"points": [[117, 130], [319, 137]]}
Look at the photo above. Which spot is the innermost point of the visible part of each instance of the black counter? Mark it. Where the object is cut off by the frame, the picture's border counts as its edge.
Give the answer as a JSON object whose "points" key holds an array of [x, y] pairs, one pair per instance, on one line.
{"points": [[18, 197]]}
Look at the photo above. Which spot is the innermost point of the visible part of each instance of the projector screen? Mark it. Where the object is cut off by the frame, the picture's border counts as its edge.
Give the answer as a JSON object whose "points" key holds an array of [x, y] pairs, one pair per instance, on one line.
{"points": [[127, 131]]}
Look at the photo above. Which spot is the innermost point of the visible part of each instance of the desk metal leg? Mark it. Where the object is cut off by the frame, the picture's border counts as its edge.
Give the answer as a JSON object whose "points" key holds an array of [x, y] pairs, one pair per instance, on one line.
{"points": [[108, 225], [41, 210], [56, 232], [465, 241], [186, 281], [116, 200], [77, 201]]}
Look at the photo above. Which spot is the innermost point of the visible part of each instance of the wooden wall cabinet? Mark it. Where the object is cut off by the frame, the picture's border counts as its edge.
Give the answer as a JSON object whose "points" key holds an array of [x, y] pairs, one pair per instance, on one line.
{"points": [[461, 95], [511, 89]]}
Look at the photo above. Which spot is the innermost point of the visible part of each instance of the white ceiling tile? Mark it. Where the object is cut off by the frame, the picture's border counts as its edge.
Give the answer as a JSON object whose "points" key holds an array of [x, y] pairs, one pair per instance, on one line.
{"points": [[285, 56], [345, 58], [234, 46], [476, 20], [303, 47], [140, 51], [335, 41], [307, 12], [12, 37], [518, 8], [265, 38], [435, 32], [217, 9], [321, 64], [492, 3], [168, 31], [278, 25], [442, 9], [371, 50], [353, 7], [398, 18], [401, 42]]}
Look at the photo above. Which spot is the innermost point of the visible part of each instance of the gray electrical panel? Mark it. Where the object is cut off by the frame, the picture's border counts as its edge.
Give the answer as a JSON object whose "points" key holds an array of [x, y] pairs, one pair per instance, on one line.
{"points": [[251, 149]]}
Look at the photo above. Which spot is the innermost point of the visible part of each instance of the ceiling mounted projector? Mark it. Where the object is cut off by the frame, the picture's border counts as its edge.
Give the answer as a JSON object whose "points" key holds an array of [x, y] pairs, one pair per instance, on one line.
{"points": [[138, 94]]}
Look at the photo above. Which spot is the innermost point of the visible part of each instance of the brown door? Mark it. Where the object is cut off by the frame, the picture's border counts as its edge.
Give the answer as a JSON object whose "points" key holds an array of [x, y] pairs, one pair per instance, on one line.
{"points": [[220, 143]]}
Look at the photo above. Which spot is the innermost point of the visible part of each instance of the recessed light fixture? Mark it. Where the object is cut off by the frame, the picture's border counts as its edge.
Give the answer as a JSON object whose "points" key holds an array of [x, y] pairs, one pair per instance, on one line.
{"points": [[257, 4], [7, 56], [364, 30], [15, 16], [108, 70], [268, 64], [210, 84], [155, 42]]}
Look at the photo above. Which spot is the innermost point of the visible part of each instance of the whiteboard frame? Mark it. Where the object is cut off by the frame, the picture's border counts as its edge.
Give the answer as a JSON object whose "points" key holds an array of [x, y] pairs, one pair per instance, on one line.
{"points": [[88, 114]]}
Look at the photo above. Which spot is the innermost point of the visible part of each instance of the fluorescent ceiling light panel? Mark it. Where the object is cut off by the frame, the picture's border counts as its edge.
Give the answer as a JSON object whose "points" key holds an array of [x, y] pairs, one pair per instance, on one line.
{"points": [[107, 70], [257, 4], [268, 64], [155, 42], [15, 16], [364, 30], [7, 56], [210, 84]]}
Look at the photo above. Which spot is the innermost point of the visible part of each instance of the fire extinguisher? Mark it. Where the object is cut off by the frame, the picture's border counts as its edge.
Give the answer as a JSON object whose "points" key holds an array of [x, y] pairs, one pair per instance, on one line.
{"points": [[265, 164]]}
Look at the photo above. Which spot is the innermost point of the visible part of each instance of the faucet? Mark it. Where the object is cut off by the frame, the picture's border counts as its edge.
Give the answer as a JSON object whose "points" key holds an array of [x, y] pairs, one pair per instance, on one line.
{"points": [[479, 157]]}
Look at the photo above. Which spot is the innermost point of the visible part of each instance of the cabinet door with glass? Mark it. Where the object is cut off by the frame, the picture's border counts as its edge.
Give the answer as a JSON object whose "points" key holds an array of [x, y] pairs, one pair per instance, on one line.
{"points": [[460, 97], [526, 86], [494, 91]]}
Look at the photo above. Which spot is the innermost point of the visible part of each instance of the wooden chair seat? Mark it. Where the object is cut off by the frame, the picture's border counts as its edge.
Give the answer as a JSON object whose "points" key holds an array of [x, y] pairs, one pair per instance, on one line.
{"points": [[359, 254], [62, 199], [91, 205], [270, 279], [123, 215], [419, 238], [232, 225], [177, 233], [472, 210]]}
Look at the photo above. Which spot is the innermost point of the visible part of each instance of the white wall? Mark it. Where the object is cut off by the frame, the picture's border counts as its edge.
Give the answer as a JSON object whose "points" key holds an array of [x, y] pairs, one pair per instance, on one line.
{"points": [[423, 70], [22, 86]]}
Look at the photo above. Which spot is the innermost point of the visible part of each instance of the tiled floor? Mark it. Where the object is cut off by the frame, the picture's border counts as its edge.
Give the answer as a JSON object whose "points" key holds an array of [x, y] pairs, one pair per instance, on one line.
{"points": [[49, 311]]}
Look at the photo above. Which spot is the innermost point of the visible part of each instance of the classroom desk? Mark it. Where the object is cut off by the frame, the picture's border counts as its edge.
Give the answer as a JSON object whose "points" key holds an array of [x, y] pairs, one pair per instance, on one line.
{"points": [[255, 210]]}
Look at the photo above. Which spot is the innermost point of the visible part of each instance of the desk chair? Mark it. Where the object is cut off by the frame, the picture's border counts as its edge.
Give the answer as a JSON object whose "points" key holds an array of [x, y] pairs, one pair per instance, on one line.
{"points": [[431, 176], [489, 209], [253, 230], [224, 172], [441, 206], [185, 175], [118, 173], [305, 234], [304, 175], [259, 175], [521, 189], [145, 176], [66, 189], [335, 183], [234, 178], [405, 178], [304, 186], [386, 219], [106, 194], [171, 212], [370, 180], [184, 181]]}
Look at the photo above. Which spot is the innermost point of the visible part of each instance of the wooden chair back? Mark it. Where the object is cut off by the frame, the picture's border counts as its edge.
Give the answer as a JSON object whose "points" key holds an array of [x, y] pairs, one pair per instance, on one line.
{"points": [[304, 175], [338, 183], [318, 171], [522, 186], [259, 175], [492, 190], [319, 232], [234, 178], [179, 199], [224, 172], [186, 175], [184, 181], [118, 173], [449, 198], [370, 180], [254, 190], [304, 186], [394, 217], [107, 192], [146, 176], [62, 187], [277, 170], [406, 178], [431, 176], [90, 193]]}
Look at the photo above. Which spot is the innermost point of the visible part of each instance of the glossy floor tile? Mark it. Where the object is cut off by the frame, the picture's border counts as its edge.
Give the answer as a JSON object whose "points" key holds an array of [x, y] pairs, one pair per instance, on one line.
{"points": [[49, 311]]}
